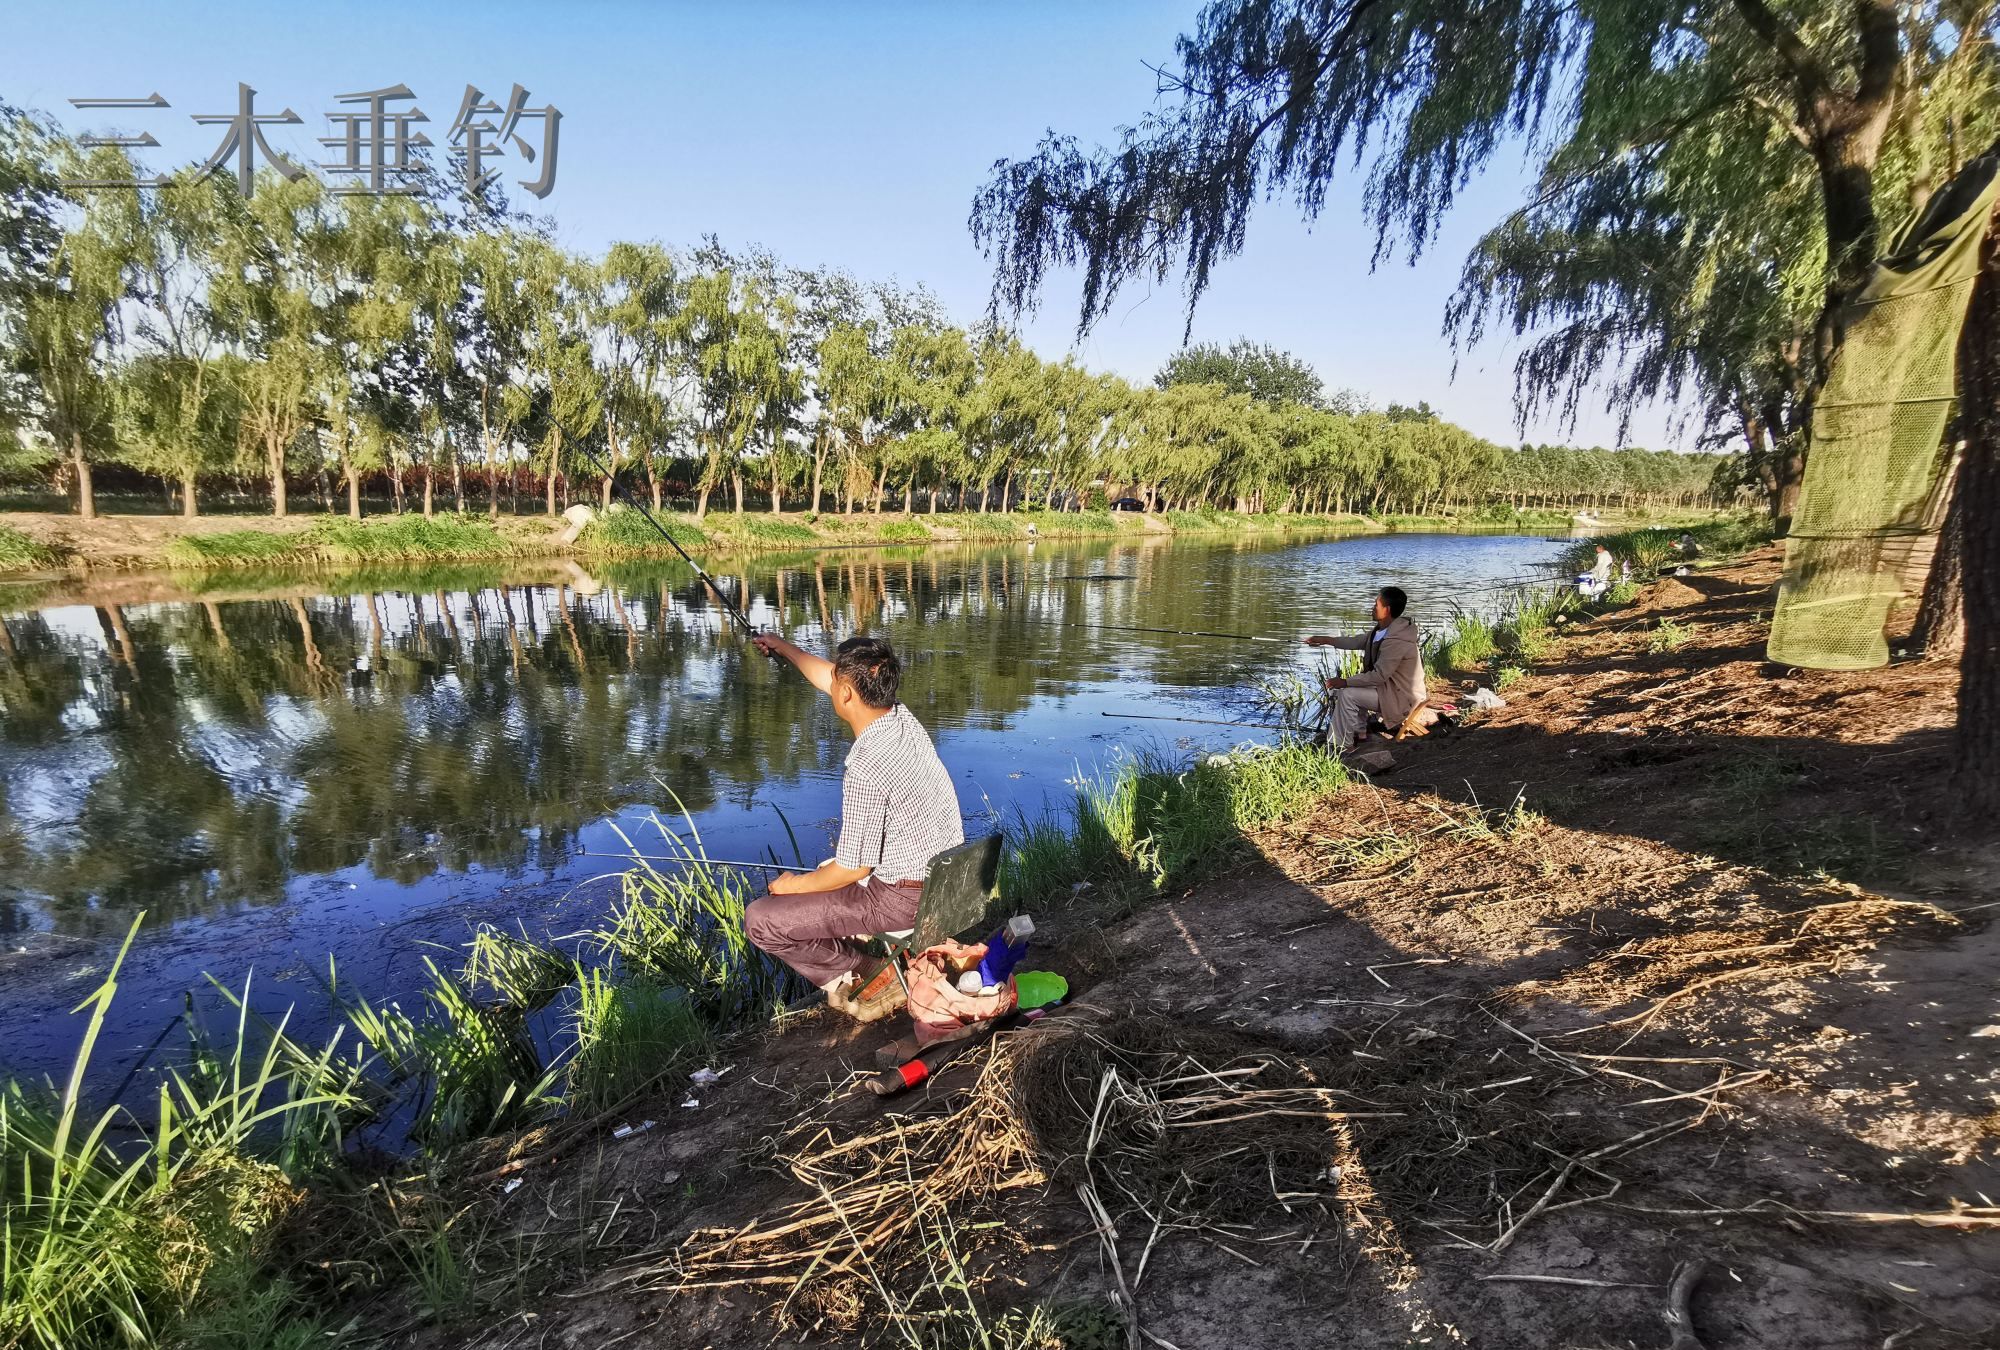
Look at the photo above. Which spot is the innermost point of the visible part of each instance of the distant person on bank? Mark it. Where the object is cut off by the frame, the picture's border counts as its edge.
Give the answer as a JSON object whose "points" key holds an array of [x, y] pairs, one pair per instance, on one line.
{"points": [[1391, 680], [1597, 580], [898, 810]]}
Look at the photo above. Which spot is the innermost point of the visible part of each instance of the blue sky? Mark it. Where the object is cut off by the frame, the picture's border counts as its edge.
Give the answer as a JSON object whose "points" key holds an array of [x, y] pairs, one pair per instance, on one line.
{"points": [[843, 134]]}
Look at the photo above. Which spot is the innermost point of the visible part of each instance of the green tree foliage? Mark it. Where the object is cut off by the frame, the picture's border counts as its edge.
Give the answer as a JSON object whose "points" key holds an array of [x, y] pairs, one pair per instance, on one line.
{"points": [[340, 343], [1244, 367], [1712, 176]]}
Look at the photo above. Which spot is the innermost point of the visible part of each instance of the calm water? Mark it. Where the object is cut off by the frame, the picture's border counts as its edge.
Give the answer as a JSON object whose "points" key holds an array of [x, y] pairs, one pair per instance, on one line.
{"points": [[364, 767]]}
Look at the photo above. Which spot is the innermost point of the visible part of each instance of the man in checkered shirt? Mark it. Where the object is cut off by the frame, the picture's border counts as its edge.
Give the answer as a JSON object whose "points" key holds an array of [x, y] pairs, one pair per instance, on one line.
{"points": [[898, 810]]}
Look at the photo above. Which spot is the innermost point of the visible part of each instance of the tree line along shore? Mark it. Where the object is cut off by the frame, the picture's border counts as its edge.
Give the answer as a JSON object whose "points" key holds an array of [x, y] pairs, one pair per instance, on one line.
{"points": [[343, 345]]}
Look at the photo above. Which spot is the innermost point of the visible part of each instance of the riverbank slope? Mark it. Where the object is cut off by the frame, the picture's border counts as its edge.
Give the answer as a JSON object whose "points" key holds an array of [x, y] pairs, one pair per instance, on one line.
{"points": [[1671, 960]]}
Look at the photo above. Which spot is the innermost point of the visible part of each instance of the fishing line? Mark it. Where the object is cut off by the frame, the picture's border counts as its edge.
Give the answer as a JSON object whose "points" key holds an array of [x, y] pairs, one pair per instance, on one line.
{"points": [[1178, 632], [697, 862]]}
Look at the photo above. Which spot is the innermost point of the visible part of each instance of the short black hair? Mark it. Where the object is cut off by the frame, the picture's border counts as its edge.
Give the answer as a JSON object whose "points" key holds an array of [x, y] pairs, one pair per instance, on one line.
{"points": [[1393, 597], [871, 667]]}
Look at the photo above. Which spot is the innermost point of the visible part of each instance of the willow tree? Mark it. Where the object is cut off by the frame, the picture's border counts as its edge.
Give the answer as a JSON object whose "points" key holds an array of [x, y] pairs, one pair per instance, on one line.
{"points": [[70, 328], [264, 299], [1723, 141], [174, 419], [642, 296]]}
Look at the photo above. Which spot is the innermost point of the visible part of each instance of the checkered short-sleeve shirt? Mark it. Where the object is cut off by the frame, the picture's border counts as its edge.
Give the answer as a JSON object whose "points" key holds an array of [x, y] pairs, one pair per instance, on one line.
{"points": [[898, 808]]}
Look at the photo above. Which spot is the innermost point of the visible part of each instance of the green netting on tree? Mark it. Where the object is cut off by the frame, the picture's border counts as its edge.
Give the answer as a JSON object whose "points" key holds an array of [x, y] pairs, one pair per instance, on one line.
{"points": [[1877, 438]]}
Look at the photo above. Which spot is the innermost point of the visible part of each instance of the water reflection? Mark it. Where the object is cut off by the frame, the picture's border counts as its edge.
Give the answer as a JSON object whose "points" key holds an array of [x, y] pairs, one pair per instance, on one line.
{"points": [[209, 754]]}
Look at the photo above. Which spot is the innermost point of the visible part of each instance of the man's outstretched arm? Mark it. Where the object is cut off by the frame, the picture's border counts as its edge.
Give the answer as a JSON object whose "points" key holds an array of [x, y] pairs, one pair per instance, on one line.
{"points": [[817, 669]]}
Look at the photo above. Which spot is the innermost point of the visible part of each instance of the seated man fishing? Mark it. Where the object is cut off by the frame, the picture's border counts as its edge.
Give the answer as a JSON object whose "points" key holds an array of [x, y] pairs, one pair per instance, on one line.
{"points": [[897, 811], [1390, 683]]}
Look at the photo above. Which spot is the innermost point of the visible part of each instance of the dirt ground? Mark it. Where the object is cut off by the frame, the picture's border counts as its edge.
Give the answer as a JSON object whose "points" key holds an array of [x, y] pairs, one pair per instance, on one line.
{"points": [[1670, 960]]}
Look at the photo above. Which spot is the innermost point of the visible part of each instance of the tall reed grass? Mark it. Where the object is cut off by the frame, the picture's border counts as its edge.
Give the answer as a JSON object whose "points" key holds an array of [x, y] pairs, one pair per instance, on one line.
{"points": [[108, 1226], [114, 1228], [1156, 822]]}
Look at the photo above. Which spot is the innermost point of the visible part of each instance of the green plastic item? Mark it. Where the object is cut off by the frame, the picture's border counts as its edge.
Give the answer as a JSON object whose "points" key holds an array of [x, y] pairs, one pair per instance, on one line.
{"points": [[1035, 988]]}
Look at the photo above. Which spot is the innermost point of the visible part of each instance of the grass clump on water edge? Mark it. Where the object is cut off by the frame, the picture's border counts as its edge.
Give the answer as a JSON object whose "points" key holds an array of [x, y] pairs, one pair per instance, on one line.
{"points": [[109, 1228], [1157, 823], [904, 532], [19, 553], [340, 540], [1516, 635], [624, 530], [682, 927], [230, 548]]}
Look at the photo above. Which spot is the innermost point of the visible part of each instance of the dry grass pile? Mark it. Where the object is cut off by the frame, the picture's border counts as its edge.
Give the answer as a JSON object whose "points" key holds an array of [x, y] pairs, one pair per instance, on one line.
{"points": [[1159, 1130]]}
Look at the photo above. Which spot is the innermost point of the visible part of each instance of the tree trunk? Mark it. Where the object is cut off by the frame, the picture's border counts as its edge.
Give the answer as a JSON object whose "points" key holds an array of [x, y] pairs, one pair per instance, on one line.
{"points": [[736, 486], [86, 496], [1976, 776], [701, 503], [430, 491], [353, 491], [1789, 471], [274, 458], [1940, 628], [189, 508], [819, 466], [777, 489]]}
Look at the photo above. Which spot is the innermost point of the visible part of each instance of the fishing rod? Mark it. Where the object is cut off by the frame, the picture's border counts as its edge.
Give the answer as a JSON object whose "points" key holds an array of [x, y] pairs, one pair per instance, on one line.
{"points": [[1205, 721], [698, 862], [1178, 632], [618, 488]]}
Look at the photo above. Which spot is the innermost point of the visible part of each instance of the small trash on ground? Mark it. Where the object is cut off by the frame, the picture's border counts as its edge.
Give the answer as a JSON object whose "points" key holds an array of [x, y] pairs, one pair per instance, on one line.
{"points": [[708, 1077], [511, 1186], [691, 1104], [1483, 697], [627, 1131]]}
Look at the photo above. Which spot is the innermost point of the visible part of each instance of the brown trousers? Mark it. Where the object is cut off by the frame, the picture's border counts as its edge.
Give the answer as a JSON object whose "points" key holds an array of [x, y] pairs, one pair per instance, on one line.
{"points": [[814, 933]]}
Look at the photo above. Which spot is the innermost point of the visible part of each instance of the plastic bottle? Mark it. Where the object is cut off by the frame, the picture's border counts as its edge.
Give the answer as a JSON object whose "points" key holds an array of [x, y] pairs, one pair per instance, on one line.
{"points": [[1004, 950]]}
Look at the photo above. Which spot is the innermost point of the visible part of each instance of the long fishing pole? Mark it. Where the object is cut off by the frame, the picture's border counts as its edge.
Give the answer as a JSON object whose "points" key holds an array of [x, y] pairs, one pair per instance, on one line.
{"points": [[1205, 721], [1178, 632], [618, 488], [697, 862]]}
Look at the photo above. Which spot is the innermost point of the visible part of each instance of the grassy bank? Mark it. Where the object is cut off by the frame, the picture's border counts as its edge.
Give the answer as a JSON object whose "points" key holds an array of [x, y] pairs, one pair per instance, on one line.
{"points": [[1501, 646], [337, 540], [1155, 823], [19, 553], [149, 542], [235, 1209]]}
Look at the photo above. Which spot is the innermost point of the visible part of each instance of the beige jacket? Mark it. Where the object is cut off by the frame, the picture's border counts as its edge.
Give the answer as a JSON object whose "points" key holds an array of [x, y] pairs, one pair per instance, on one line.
{"points": [[1395, 667]]}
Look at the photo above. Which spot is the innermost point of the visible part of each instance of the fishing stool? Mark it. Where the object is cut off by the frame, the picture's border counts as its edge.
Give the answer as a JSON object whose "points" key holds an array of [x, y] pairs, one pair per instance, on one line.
{"points": [[958, 888]]}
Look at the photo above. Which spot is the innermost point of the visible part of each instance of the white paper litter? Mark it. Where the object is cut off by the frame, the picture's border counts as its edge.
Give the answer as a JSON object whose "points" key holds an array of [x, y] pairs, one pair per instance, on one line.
{"points": [[627, 1131], [708, 1077], [511, 1187]]}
